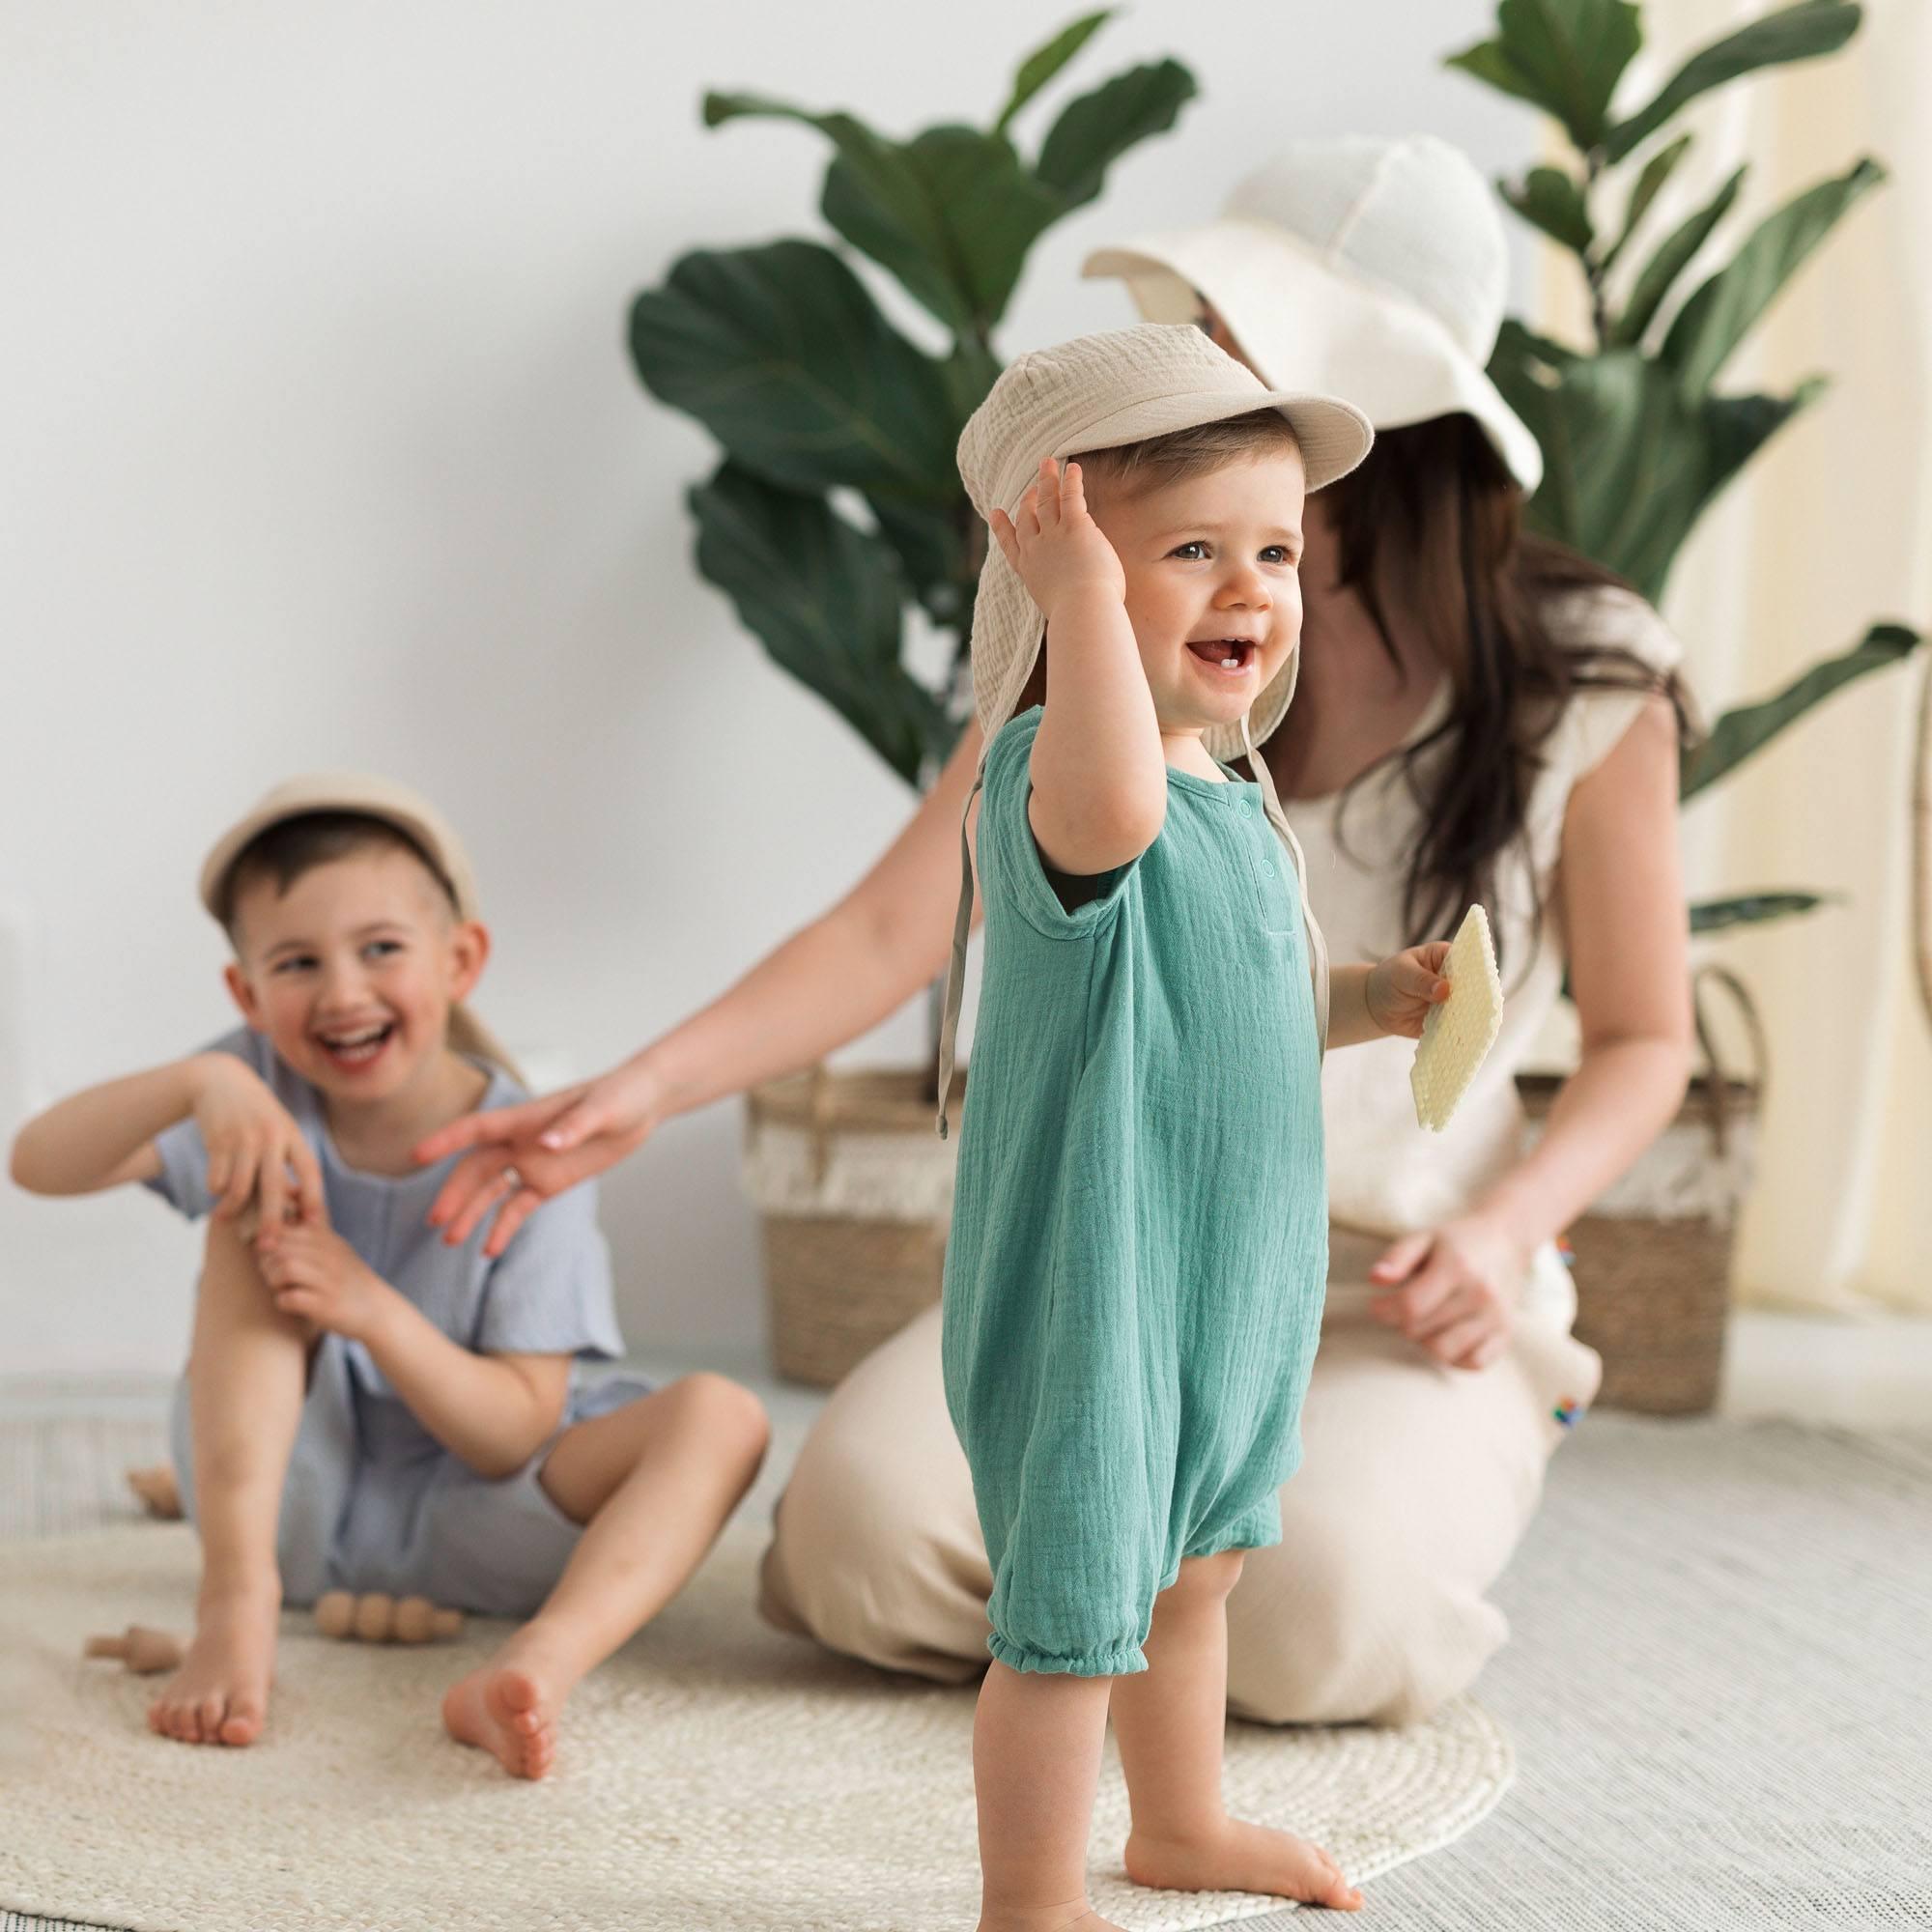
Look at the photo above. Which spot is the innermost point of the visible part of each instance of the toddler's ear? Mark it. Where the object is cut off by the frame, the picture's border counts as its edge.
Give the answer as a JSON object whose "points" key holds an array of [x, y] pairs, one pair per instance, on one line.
{"points": [[242, 993]]}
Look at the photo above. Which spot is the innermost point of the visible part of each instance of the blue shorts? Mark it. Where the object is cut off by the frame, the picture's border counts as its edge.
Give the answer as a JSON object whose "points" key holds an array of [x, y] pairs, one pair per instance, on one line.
{"points": [[428, 1526]]}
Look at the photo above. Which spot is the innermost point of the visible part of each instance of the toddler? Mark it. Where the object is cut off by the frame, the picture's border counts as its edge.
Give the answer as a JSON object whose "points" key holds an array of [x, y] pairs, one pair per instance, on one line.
{"points": [[370, 1405], [1134, 1279]]}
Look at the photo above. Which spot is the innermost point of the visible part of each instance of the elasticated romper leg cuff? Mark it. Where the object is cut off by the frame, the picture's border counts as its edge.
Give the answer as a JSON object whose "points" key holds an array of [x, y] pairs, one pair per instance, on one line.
{"points": [[1121, 1659]]}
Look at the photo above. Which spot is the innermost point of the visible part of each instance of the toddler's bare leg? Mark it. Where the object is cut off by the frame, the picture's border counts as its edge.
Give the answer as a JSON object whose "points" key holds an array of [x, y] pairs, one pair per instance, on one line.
{"points": [[655, 1481], [1168, 1721], [246, 1369], [1036, 1741]]}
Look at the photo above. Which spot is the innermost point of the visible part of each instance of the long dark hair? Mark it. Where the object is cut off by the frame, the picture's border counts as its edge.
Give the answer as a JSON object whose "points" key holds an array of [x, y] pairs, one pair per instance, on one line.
{"points": [[1429, 533]]}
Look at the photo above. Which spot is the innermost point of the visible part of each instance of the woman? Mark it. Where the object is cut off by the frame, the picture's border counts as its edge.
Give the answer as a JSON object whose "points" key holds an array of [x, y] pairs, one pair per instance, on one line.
{"points": [[1480, 717]]}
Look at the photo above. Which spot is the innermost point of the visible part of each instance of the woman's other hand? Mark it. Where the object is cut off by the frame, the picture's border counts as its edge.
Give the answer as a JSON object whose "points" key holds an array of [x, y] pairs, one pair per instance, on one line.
{"points": [[1453, 1289], [521, 1156]]}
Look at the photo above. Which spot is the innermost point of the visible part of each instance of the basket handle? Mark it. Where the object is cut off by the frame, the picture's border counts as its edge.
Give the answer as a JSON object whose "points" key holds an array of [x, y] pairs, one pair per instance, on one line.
{"points": [[1719, 1073], [818, 1103]]}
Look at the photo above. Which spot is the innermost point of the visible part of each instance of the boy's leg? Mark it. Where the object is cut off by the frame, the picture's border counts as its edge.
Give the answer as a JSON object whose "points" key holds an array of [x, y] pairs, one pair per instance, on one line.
{"points": [[1036, 1741], [246, 1370], [654, 1482], [1170, 1722]]}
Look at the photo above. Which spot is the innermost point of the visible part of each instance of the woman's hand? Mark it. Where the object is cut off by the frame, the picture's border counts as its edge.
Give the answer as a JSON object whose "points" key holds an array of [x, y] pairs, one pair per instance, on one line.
{"points": [[255, 1150], [316, 1276], [1404, 987], [524, 1154], [1059, 551], [1459, 1288]]}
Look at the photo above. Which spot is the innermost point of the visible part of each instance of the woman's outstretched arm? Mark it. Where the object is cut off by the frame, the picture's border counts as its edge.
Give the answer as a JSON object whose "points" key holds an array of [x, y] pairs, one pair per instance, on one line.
{"points": [[1453, 1288], [828, 983]]}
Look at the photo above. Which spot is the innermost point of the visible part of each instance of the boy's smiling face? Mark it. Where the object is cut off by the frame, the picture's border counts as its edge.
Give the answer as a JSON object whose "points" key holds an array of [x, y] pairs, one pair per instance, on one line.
{"points": [[351, 973], [1214, 593]]}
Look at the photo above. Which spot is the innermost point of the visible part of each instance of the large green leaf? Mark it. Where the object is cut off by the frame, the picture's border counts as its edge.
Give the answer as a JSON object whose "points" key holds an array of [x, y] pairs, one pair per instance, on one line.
{"points": [[781, 353], [1094, 130], [1672, 257], [1754, 908], [1747, 730], [1797, 33], [1043, 63], [1720, 313], [1567, 56], [1629, 462], [825, 600], [1552, 201], [1655, 172], [952, 213]]}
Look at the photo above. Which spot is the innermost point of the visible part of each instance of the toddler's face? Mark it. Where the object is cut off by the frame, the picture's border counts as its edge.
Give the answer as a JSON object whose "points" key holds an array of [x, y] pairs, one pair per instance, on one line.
{"points": [[1213, 591], [352, 973]]}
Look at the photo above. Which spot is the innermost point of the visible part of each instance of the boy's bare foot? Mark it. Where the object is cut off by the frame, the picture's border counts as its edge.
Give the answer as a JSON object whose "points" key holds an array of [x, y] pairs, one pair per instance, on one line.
{"points": [[1242, 1858], [159, 1493], [220, 1694], [509, 1707]]}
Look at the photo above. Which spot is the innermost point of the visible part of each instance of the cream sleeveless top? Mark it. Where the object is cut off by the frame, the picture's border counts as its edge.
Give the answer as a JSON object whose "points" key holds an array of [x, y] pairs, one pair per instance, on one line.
{"points": [[1387, 1176]]}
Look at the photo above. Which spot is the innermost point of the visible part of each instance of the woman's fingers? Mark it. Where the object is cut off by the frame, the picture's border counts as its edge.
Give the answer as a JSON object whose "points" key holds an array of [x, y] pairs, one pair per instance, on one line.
{"points": [[1456, 1344], [1402, 1258], [583, 1121], [474, 1191], [515, 1212], [310, 1205]]}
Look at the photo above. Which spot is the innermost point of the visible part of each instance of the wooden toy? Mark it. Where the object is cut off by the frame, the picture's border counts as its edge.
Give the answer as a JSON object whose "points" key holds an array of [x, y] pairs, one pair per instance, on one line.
{"points": [[140, 1649], [376, 1618]]}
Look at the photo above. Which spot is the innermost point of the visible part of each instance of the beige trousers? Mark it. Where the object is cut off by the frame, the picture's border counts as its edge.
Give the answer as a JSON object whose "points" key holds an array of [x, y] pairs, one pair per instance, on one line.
{"points": [[1417, 1484]]}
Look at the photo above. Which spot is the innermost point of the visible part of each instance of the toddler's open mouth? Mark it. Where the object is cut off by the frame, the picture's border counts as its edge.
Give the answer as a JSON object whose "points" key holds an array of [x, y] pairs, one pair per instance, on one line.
{"points": [[1228, 657]]}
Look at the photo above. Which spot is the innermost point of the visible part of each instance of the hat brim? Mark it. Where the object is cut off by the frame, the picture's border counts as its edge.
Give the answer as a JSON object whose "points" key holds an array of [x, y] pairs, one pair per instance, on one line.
{"points": [[1300, 320]]}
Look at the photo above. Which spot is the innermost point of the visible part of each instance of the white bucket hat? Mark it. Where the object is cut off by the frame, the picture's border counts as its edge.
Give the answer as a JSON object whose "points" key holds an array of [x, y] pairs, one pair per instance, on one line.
{"points": [[1100, 392], [1373, 269]]}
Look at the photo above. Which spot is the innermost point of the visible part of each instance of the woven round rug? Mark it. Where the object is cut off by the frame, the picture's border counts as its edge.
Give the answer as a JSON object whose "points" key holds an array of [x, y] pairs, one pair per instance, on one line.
{"points": [[713, 1775]]}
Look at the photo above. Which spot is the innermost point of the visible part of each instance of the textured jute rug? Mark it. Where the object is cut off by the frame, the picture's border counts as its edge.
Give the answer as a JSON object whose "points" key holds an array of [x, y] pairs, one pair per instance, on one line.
{"points": [[713, 1775]]}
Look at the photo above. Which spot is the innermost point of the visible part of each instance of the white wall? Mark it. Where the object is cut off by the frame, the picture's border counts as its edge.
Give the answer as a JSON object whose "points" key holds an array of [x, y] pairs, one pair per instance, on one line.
{"points": [[323, 446]]}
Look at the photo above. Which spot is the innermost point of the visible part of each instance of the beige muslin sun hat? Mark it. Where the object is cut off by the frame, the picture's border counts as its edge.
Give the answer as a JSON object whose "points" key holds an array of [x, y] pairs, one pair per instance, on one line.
{"points": [[1101, 393], [1375, 269], [367, 795]]}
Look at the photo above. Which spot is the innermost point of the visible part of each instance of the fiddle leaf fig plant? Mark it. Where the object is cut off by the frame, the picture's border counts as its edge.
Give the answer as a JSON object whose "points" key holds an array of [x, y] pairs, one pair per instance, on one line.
{"points": [[1638, 440], [835, 508]]}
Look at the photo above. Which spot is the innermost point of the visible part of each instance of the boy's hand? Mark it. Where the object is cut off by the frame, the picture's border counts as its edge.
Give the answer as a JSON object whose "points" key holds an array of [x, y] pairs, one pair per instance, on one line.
{"points": [[255, 1150], [316, 1276], [1059, 551], [1401, 991]]}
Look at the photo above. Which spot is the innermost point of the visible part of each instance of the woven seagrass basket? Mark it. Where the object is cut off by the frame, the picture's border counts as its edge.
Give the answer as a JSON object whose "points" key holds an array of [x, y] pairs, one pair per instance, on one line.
{"points": [[1653, 1257], [855, 1189]]}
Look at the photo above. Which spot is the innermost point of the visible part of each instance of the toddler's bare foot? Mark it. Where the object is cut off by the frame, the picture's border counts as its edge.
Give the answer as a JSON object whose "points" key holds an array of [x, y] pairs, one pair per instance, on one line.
{"points": [[1080, 1917], [1242, 1858], [220, 1694], [509, 1707], [159, 1493]]}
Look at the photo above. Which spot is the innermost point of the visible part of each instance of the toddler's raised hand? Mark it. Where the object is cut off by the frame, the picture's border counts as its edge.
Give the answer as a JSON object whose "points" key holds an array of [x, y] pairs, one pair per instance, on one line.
{"points": [[256, 1152], [1059, 551], [1404, 987]]}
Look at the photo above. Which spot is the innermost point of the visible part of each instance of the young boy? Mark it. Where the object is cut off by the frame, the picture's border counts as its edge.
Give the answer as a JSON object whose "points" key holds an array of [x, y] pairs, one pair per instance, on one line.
{"points": [[370, 1405]]}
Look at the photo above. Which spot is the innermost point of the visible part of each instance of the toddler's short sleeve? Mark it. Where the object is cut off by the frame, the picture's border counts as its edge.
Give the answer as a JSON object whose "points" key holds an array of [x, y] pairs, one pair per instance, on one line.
{"points": [[1012, 870], [549, 1293], [182, 1182]]}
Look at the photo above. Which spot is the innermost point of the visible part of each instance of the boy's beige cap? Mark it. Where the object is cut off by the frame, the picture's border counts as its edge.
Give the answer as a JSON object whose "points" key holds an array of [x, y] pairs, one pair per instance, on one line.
{"points": [[1097, 392], [364, 793]]}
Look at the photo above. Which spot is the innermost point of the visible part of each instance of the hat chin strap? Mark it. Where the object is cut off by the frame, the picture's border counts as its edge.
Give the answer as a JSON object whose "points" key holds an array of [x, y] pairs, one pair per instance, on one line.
{"points": [[1317, 947], [956, 971]]}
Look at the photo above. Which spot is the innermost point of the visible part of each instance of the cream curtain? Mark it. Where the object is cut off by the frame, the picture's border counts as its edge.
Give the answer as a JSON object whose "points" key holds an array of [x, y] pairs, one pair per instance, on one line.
{"points": [[1829, 529]]}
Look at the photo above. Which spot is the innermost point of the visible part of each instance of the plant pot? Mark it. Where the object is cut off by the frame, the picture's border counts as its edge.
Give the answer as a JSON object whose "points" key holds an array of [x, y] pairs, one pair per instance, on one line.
{"points": [[1652, 1258], [855, 1189]]}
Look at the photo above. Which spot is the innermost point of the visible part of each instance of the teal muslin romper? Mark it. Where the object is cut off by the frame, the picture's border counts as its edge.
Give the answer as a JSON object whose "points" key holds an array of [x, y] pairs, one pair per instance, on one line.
{"points": [[1140, 1229]]}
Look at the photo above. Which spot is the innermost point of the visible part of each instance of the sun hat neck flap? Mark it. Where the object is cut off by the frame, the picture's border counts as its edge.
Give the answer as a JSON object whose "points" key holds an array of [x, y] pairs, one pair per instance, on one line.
{"points": [[367, 795], [1377, 270], [1100, 392]]}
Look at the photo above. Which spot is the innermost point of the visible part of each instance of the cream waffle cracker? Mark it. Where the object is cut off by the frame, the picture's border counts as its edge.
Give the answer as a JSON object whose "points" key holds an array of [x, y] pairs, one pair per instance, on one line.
{"points": [[1457, 1034]]}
